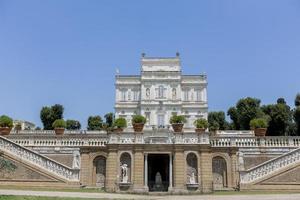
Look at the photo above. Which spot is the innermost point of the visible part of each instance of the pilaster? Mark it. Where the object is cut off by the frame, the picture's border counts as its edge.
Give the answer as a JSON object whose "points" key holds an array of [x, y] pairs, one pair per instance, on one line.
{"points": [[111, 171], [206, 171]]}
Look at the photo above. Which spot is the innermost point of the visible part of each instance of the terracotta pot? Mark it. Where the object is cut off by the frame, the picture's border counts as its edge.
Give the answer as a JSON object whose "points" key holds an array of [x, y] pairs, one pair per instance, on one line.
{"points": [[138, 127], [177, 128], [59, 131], [118, 130], [260, 132], [200, 130], [5, 130]]}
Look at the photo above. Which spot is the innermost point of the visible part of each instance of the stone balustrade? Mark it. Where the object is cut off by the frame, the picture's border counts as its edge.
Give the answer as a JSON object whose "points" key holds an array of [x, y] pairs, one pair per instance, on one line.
{"points": [[39, 160], [270, 166]]}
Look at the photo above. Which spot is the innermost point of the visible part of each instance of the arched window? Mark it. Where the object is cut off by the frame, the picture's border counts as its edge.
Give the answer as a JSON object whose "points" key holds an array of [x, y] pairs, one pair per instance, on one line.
{"points": [[125, 168], [219, 167], [99, 172], [192, 168]]}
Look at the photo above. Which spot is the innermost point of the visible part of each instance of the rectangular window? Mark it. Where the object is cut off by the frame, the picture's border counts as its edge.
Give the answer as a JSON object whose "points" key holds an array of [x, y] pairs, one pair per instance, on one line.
{"points": [[186, 95], [198, 95], [135, 95], [123, 95], [161, 92]]}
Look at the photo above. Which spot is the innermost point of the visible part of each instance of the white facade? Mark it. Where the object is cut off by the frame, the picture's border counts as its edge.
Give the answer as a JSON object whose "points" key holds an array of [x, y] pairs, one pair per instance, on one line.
{"points": [[160, 91]]}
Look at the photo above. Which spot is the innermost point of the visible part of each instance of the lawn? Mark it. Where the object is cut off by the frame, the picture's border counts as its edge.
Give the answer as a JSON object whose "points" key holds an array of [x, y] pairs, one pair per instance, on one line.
{"points": [[4, 197]]}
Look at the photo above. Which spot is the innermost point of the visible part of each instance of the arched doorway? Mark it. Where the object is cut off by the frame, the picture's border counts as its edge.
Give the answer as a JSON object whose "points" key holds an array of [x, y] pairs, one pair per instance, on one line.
{"points": [[219, 167], [99, 171], [191, 169]]}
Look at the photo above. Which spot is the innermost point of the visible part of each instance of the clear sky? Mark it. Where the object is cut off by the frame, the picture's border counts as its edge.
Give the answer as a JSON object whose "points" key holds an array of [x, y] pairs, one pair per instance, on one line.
{"points": [[66, 52]]}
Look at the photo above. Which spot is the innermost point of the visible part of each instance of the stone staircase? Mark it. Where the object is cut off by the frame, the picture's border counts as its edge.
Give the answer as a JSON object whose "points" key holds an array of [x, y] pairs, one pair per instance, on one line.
{"points": [[271, 167], [38, 161]]}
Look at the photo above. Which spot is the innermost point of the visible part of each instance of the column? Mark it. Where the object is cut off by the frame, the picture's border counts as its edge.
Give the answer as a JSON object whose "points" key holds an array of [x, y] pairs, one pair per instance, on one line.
{"points": [[146, 171], [170, 172]]}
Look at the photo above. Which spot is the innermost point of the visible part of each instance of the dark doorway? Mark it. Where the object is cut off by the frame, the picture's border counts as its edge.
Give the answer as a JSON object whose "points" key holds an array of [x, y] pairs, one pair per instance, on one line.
{"points": [[158, 172]]}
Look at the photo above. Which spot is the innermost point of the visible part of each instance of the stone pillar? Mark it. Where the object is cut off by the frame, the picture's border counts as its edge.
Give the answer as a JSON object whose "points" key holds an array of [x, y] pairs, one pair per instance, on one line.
{"points": [[206, 171], [111, 171], [170, 172], [138, 172], [146, 172], [234, 170], [85, 169], [179, 172]]}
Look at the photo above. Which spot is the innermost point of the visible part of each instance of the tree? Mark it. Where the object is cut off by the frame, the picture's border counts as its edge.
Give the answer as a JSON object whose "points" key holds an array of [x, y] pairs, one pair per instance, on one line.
{"points": [[297, 118], [217, 119], [95, 123], [232, 112], [49, 114], [73, 124], [280, 116], [246, 109], [297, 100], [109, 119]]}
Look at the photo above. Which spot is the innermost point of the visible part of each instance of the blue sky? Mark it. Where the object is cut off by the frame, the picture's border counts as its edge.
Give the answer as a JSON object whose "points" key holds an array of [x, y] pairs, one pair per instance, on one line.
{"points": [[66, 52]]}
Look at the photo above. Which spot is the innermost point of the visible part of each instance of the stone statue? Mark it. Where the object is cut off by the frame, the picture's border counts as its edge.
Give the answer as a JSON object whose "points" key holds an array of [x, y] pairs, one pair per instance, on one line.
{"points": [[147, 92], [124, 173], [193, 178], [76, 160], [158, 178]]}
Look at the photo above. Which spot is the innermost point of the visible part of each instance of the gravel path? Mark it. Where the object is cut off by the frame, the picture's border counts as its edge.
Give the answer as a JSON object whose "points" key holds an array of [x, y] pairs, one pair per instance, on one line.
{"points": [[145, 197]]}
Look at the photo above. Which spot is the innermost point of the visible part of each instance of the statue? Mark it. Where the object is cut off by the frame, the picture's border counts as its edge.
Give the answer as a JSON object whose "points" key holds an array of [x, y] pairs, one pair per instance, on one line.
{"points": [[158, 182], [124, 173], [76, 160], [148, 93], [192, 179]]}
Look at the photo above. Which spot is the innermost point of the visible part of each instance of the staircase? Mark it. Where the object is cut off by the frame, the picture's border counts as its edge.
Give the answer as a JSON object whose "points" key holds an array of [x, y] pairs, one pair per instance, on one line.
{"points": [[47, 165], [266, 169]]}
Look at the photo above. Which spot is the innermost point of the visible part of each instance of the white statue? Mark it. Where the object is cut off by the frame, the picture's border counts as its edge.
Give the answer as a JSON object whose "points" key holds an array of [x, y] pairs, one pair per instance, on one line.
{"points": [[76, 160], [124, 173], [192, 179], [158, 179]]}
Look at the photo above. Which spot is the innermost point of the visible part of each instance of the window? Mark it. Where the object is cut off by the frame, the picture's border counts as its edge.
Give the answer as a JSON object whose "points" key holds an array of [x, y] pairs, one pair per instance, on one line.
{"points": [[174, 95], [186, 95], [147, 118], [123, 95], [198, 95], [129, 95], [161, 92], [135, 95]]}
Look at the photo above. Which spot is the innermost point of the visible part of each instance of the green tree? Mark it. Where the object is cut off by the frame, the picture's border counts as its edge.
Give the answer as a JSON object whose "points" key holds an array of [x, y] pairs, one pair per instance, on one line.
{"points": [[95, 123], [297, 100], [49, 114], [232, 112], [280, 116], [245, 110], [73, 124], [297, 118], [217, 119], [109, 119]]}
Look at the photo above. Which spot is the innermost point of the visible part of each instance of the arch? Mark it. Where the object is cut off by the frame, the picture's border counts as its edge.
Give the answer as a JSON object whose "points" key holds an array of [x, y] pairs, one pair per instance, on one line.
{"points": [[99, 171], [125, 167], [219, 169], [192, 168]]}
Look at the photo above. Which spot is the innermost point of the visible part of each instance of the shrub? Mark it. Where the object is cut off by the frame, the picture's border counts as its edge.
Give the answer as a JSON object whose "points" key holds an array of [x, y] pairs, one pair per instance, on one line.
{"points": [[59, 123], [120, 123], [259, 123], [201, 123], [138, 119], [177, 119], [6, 121], [214, 126]]}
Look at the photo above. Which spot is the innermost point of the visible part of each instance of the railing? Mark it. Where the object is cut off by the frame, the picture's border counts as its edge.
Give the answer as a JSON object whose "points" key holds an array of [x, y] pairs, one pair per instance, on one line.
{"points": [[74, 140], [52, 132], [270, 166], [270, 141], [36, 159]]}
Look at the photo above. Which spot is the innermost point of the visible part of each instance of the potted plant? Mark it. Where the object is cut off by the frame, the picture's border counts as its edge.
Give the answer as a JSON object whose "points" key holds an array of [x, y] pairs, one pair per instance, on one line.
{"points": [[6, 124], [201, 125], [260, 126], [59, 126], [177, 122], [120, 124], [138, 122]]}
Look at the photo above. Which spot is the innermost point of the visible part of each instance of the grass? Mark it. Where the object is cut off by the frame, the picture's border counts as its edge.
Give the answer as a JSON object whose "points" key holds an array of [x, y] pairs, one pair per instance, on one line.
{"points": [[91, 190], [9, 197], [256, 192]]}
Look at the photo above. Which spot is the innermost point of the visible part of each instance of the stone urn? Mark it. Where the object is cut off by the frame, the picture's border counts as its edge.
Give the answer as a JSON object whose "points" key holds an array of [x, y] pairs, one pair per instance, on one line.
{"points": [[200, 130], [59, 131], [5, 130], [260, 132], [138, 127], [177, 127]]}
